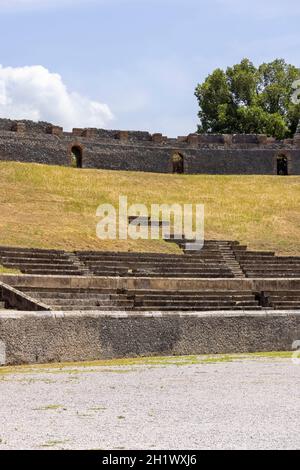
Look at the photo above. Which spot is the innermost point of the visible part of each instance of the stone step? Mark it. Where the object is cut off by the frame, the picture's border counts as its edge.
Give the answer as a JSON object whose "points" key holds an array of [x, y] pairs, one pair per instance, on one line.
{"points": [[257, 253], [204, 302], [271, 271], [271, 265], [8, 249], [53, 272], [283, 303], [27, 260], [199, 308], [157, 263], [117, 254], [171, 259], [285, 293], [162, 271], [189, 292], [138, 297], [131, 292], [38, 265], [180, 275], [155, 309], [273, 276], [208, 298], [91, 302], [90, 308], [68, 295]]}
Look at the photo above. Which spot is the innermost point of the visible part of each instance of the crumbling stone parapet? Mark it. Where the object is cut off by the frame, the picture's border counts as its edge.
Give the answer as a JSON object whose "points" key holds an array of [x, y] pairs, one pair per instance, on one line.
{"points": [[123, 136], [90, 132], [157, 138], [193, 140], [227, 139], [19, 127], [262, 139], [55, 130], [78, 132]]}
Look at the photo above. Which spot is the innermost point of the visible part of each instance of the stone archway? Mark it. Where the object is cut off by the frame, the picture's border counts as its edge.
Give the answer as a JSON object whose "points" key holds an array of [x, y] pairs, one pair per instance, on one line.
{"points": [[282, 165], [178, 163], [77, 156]]}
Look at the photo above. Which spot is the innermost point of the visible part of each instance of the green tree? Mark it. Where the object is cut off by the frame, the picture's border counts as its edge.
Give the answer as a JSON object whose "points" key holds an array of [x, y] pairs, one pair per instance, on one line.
{"points": [[246, 99]]}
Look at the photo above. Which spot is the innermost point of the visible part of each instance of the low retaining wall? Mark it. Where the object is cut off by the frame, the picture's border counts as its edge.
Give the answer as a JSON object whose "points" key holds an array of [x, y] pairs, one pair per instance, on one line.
{"points": [[44, 337], [16, 299]]}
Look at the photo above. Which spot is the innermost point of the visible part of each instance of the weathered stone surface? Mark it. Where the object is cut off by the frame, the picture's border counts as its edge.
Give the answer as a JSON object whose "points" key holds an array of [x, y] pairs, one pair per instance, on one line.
{"points": [[27, 141], [58, 337]]}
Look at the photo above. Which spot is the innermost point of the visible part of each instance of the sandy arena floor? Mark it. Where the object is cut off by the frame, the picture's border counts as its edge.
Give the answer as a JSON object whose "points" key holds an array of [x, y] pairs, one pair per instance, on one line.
{"points": [[179, 403]]}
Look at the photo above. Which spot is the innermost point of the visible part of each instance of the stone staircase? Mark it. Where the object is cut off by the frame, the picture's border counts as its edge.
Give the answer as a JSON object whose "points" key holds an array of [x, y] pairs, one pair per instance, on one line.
{"points": [[228, 254]]}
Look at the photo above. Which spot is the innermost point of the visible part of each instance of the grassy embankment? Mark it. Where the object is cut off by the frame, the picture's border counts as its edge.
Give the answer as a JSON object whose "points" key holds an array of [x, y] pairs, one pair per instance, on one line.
{"points": [[55, 207]]}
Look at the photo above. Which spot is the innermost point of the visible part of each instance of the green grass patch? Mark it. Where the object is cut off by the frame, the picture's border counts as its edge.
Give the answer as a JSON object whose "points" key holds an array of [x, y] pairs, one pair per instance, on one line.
{"points": [[4, 270], [113, 365]]}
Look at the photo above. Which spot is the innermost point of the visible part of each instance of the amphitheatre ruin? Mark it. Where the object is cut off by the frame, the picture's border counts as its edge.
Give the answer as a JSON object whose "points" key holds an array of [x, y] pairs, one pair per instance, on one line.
{"points": [[71, 305], [46, 143]]}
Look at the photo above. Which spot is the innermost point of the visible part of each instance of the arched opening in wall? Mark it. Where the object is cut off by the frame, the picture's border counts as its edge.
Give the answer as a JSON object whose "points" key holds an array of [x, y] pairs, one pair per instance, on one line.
{"points": [[282, 165], [178, 164], [76, 153]]}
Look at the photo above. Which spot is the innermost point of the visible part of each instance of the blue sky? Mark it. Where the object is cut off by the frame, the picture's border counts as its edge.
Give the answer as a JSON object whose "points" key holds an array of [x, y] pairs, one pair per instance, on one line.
{"points": [[131, 64]]}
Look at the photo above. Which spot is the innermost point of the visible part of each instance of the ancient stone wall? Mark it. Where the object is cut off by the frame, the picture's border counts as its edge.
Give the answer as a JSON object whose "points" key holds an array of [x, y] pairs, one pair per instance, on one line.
{"points": [[42, 142], [45, 337]]}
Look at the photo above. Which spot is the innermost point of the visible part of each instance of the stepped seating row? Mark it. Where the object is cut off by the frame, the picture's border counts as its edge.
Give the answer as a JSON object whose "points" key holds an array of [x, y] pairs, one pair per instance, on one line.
{"points": [[207, 263], [35, 261], [163, 300], [143, 300], [257, 264], [218, 259], [283, 300]]}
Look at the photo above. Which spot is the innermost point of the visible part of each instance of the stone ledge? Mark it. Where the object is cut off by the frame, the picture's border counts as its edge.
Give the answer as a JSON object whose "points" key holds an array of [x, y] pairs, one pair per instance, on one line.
{"points": [[27, 280], [45, 337]]}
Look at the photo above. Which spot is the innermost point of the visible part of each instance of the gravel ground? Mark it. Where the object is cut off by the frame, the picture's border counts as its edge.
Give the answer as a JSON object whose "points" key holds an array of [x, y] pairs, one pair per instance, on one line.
{"points": [[249, 403]]}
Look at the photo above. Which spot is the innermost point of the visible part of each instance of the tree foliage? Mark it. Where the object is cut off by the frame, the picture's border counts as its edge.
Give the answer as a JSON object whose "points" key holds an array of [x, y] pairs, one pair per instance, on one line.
{"points": [[247, 99]]}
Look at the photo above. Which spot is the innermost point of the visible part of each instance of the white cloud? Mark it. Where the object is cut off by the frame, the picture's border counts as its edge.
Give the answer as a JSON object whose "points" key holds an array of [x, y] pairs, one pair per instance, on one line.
{"points": [[34, 93]]}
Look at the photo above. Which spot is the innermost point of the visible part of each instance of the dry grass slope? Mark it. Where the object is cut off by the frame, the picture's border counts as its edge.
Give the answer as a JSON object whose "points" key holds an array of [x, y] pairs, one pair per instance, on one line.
{"points": [[55, 207]]}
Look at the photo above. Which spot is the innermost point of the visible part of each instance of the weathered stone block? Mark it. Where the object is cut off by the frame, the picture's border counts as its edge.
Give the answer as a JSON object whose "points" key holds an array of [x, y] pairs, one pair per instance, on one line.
{"points": [[193, 140], [19, 127], [77, 132], [123, 136], [157, 138], [55, 130], [262, 139], [227, 139], [91, 133]]}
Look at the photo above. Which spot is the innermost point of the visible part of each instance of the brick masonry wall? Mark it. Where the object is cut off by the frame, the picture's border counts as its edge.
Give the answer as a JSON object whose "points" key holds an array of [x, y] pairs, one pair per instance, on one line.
{"points": [[26, 141]]}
